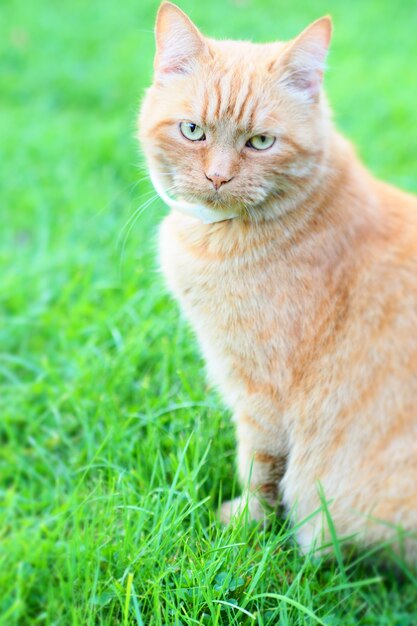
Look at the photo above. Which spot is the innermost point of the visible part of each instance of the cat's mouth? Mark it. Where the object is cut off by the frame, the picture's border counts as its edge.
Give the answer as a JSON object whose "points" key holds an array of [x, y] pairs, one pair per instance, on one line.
{"points": [[208, 211]]}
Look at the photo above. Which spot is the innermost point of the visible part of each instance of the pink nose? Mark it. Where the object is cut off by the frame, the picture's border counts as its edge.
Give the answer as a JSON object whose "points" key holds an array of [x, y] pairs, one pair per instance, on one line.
{"points": [[217, 180]]}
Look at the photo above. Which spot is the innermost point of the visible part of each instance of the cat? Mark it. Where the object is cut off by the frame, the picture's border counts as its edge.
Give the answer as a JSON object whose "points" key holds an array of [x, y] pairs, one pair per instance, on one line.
{"points": [[298, 272]]}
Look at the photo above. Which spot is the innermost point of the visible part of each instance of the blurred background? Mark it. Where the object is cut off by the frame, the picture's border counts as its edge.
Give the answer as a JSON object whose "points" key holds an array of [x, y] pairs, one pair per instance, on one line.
{"points": [[96, 365]]}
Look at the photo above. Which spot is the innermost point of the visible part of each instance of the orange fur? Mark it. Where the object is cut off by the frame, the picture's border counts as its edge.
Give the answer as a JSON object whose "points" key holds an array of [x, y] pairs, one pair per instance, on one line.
{"points": [[305, 305]]}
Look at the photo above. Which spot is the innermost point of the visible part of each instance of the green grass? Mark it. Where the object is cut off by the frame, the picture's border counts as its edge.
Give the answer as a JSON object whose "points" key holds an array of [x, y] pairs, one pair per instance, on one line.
{"points": [[114, 453]]}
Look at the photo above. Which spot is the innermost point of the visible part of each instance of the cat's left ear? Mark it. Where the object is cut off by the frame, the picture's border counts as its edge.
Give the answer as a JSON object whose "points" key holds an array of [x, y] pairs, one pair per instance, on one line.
{"points": [[303, 62], [178, 41]]}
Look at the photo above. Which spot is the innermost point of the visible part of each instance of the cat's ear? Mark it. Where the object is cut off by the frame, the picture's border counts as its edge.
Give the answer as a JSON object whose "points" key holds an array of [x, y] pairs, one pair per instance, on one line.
{"points": [[303, 63], [178, 41]]}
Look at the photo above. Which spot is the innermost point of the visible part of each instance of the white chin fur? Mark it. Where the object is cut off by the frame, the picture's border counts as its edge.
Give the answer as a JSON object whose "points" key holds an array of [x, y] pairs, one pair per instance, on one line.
{"points": [[203, 213]]}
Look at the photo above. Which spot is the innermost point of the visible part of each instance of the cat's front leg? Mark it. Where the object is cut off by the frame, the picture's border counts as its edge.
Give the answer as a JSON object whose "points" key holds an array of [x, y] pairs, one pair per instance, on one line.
{"points": [[261, 464]]}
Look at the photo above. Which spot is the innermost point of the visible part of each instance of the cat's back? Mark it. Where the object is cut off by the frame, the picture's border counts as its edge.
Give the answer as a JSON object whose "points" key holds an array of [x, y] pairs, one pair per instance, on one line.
{"points": [[398, 245]]}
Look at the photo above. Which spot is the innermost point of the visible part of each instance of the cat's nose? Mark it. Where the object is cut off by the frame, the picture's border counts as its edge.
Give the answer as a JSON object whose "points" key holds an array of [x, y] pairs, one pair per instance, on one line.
{"points": [[218, 180]]}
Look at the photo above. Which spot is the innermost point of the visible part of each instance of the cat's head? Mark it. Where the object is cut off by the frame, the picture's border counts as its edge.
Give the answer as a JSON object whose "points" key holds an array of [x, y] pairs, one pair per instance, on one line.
{"points": [[232, 125]]}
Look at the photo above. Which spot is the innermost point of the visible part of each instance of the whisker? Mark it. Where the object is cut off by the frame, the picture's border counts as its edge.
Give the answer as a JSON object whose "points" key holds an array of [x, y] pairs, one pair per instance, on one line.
{"points": [[140, 209], [130, 223]]}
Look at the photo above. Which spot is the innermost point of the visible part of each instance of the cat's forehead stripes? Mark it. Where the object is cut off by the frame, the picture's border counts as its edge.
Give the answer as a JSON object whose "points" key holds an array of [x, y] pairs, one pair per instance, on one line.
{"points": [[229, 96]]}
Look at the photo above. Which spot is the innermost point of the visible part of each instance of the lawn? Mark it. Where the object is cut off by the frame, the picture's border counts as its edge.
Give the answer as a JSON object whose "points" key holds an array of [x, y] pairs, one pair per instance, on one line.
{"points": [[114, 452]]}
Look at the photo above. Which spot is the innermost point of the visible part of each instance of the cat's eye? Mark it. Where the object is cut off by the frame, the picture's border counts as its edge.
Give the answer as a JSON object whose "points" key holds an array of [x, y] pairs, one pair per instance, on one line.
{"points": [[192, 131], [261, 142]]}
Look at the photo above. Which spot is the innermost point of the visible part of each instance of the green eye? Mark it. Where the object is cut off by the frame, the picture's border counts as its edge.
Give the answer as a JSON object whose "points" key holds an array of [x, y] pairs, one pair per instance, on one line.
{"points": [[192, 131], [261, 142]]}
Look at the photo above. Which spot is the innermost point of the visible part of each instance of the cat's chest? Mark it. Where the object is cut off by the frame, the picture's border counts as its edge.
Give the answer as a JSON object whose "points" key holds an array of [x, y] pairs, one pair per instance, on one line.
{"points": [[246, 308], [223, 291]]}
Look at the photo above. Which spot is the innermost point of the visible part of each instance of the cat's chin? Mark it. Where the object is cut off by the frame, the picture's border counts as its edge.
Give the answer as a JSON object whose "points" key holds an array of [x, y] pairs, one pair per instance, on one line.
{"points": [[202, 211]]}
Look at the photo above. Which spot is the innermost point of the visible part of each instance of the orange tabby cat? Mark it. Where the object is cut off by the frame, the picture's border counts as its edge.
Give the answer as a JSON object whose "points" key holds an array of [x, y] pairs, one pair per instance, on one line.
{"points": [[297, 270]]}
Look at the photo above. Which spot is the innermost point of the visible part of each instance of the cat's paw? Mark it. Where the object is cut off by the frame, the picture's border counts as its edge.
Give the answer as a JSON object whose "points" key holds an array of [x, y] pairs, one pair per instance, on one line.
{"points": [[248, 505]]}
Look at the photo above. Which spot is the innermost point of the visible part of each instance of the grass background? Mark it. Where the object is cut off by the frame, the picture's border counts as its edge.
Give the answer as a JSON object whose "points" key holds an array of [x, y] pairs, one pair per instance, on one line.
{"points": [[114, 454]]}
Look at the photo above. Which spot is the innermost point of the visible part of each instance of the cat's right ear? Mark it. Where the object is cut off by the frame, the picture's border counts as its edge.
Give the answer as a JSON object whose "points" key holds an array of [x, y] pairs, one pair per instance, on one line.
{"points": [[304, 61], [178, 41]]}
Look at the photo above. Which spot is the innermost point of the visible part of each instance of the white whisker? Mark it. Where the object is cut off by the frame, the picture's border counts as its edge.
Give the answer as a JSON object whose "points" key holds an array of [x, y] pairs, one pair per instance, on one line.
{"points": [[130, 223]]}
